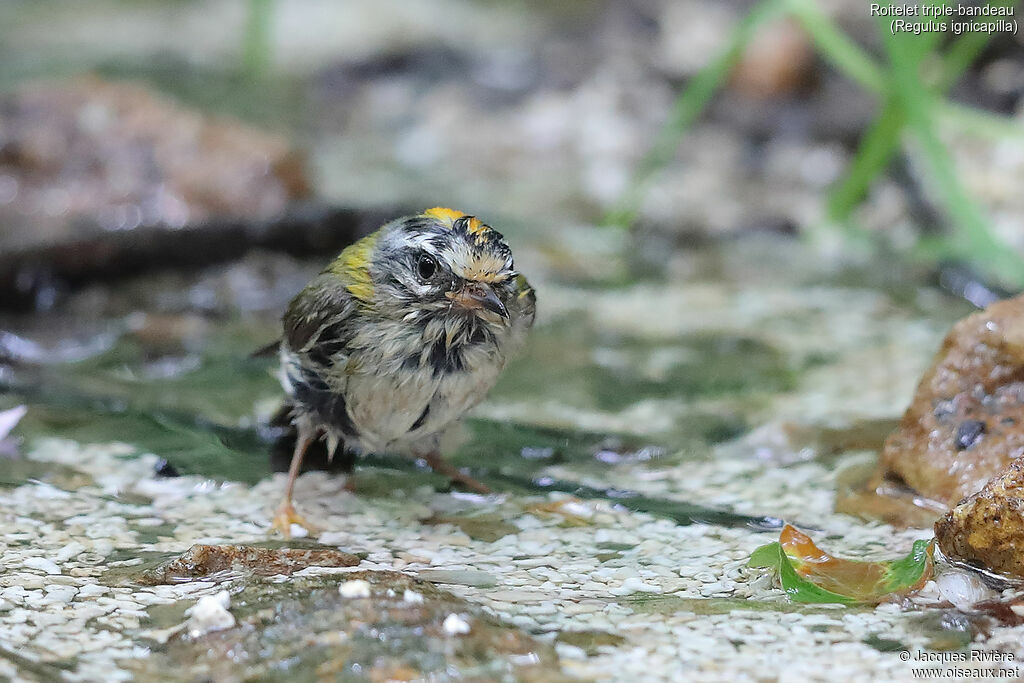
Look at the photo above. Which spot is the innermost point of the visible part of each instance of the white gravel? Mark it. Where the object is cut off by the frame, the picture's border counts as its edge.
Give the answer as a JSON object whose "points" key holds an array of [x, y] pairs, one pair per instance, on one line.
{"points": [[681, 597]]}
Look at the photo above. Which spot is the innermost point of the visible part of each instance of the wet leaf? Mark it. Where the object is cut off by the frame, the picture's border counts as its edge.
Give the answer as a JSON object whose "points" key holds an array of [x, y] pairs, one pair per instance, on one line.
{"points": [[809, 574]]}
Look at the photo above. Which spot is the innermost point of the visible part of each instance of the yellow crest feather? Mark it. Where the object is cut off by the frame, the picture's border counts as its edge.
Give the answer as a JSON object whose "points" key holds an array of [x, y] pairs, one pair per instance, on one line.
{"points": [[446, 216], [353, 267], [475, 227]]}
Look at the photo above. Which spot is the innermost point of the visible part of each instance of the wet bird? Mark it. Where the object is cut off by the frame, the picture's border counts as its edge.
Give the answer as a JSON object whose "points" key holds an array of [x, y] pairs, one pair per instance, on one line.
{"points": [[403, 333]]}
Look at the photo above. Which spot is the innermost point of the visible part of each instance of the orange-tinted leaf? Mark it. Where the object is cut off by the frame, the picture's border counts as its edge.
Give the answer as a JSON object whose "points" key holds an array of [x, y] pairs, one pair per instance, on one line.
{"points": [[809, 574]]}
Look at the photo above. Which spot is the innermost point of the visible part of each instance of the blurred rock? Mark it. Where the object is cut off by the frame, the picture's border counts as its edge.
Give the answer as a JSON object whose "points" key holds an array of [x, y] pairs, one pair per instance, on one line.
{"points": [[121, 156], [987, 529], [779, 60], [307, 630], [691, 34], [966, 423], [101, 179], [161, 334]]}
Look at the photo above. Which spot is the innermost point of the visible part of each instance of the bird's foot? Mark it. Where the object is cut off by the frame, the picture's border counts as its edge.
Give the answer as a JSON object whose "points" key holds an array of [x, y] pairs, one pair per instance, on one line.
{"points": [[470, 483], [455, 474], [286, 516]]}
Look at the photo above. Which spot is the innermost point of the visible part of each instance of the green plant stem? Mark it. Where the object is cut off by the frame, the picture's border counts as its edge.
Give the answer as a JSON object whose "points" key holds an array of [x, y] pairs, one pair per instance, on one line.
{"points": [[256, 42], [840, 51], [879, 144], [965, 50], [882, 140], [975, 241], [876, 150], [908, 103]]}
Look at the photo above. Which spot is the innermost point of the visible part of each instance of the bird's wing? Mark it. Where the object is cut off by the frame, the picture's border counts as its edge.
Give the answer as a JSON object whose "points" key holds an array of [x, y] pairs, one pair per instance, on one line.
{"points": [[318, 323], [526, 297]]}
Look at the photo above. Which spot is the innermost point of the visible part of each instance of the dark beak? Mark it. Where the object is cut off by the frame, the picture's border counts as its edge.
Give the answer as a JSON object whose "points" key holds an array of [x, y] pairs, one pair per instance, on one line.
{"points": [[477, 295]]}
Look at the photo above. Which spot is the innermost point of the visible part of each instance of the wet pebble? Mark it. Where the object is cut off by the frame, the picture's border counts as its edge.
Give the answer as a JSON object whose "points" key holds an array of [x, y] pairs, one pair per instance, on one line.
{"points": [[209, 614], [464, 577], [42, 564], [355, 589], [455, 624]]}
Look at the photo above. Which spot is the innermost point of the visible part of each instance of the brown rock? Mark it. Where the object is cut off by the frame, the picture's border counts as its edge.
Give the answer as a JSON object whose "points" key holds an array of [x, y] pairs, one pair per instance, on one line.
{"points": [[120, 156], [203, 560], [101, 180], [987, 529], [303, 629], [778, 61], [966, 422]]}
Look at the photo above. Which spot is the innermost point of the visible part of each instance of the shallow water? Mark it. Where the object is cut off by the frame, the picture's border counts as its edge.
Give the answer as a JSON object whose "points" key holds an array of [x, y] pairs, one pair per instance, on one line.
{"points": [[634, 412]]}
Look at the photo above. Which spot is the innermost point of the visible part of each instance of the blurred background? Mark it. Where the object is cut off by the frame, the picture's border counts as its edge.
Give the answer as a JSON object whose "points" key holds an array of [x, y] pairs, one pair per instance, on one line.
{"points": [[716, 200]]}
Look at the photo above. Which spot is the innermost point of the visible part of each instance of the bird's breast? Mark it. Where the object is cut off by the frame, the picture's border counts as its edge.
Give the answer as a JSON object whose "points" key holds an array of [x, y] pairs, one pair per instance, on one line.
{"points": [[398, 384]]}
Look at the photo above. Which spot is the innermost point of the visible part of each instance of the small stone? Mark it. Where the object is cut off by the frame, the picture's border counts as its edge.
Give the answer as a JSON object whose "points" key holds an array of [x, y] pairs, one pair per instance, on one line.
{"points": [[962, 588], [210, 614], [43, 565], [462, 577], [69, 551], [355, 589], [969, 433], [165, 470], [634, 585], [412, 597], [987, 528], [570, 651], [92, 590], [455, 625], [516, 597], [60, 594], [578, 509]]}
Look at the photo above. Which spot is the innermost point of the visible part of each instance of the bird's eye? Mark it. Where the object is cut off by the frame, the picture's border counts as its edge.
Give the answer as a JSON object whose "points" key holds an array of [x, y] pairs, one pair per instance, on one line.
{"points": [[426, 266]]}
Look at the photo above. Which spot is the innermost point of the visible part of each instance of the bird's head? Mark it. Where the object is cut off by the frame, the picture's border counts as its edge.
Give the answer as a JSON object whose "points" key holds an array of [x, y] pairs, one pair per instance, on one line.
{"points": [[441, 262]]}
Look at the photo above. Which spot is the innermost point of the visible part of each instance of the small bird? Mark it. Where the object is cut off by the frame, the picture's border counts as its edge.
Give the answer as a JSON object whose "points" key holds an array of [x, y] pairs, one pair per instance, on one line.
{"points": [[403, 333]]}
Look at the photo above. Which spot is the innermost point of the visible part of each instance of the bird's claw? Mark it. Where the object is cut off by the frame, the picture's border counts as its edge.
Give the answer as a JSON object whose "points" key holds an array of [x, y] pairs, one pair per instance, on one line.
{"points": [[286, 516], [455, 474]]}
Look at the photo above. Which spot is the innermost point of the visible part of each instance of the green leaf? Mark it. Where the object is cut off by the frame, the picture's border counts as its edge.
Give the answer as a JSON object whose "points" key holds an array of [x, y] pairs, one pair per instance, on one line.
{"points": [[773, 556], [810, 575], [908, 571]]}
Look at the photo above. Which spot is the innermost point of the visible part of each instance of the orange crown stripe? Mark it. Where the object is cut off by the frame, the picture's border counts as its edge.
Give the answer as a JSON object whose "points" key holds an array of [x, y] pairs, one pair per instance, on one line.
{"points": [[442, 214], [475, 227]]}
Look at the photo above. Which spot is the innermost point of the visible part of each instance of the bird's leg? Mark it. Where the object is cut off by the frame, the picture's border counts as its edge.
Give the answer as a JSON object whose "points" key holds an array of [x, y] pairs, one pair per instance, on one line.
{"points": [[347, 465], [440, 466], [286, 514]]}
